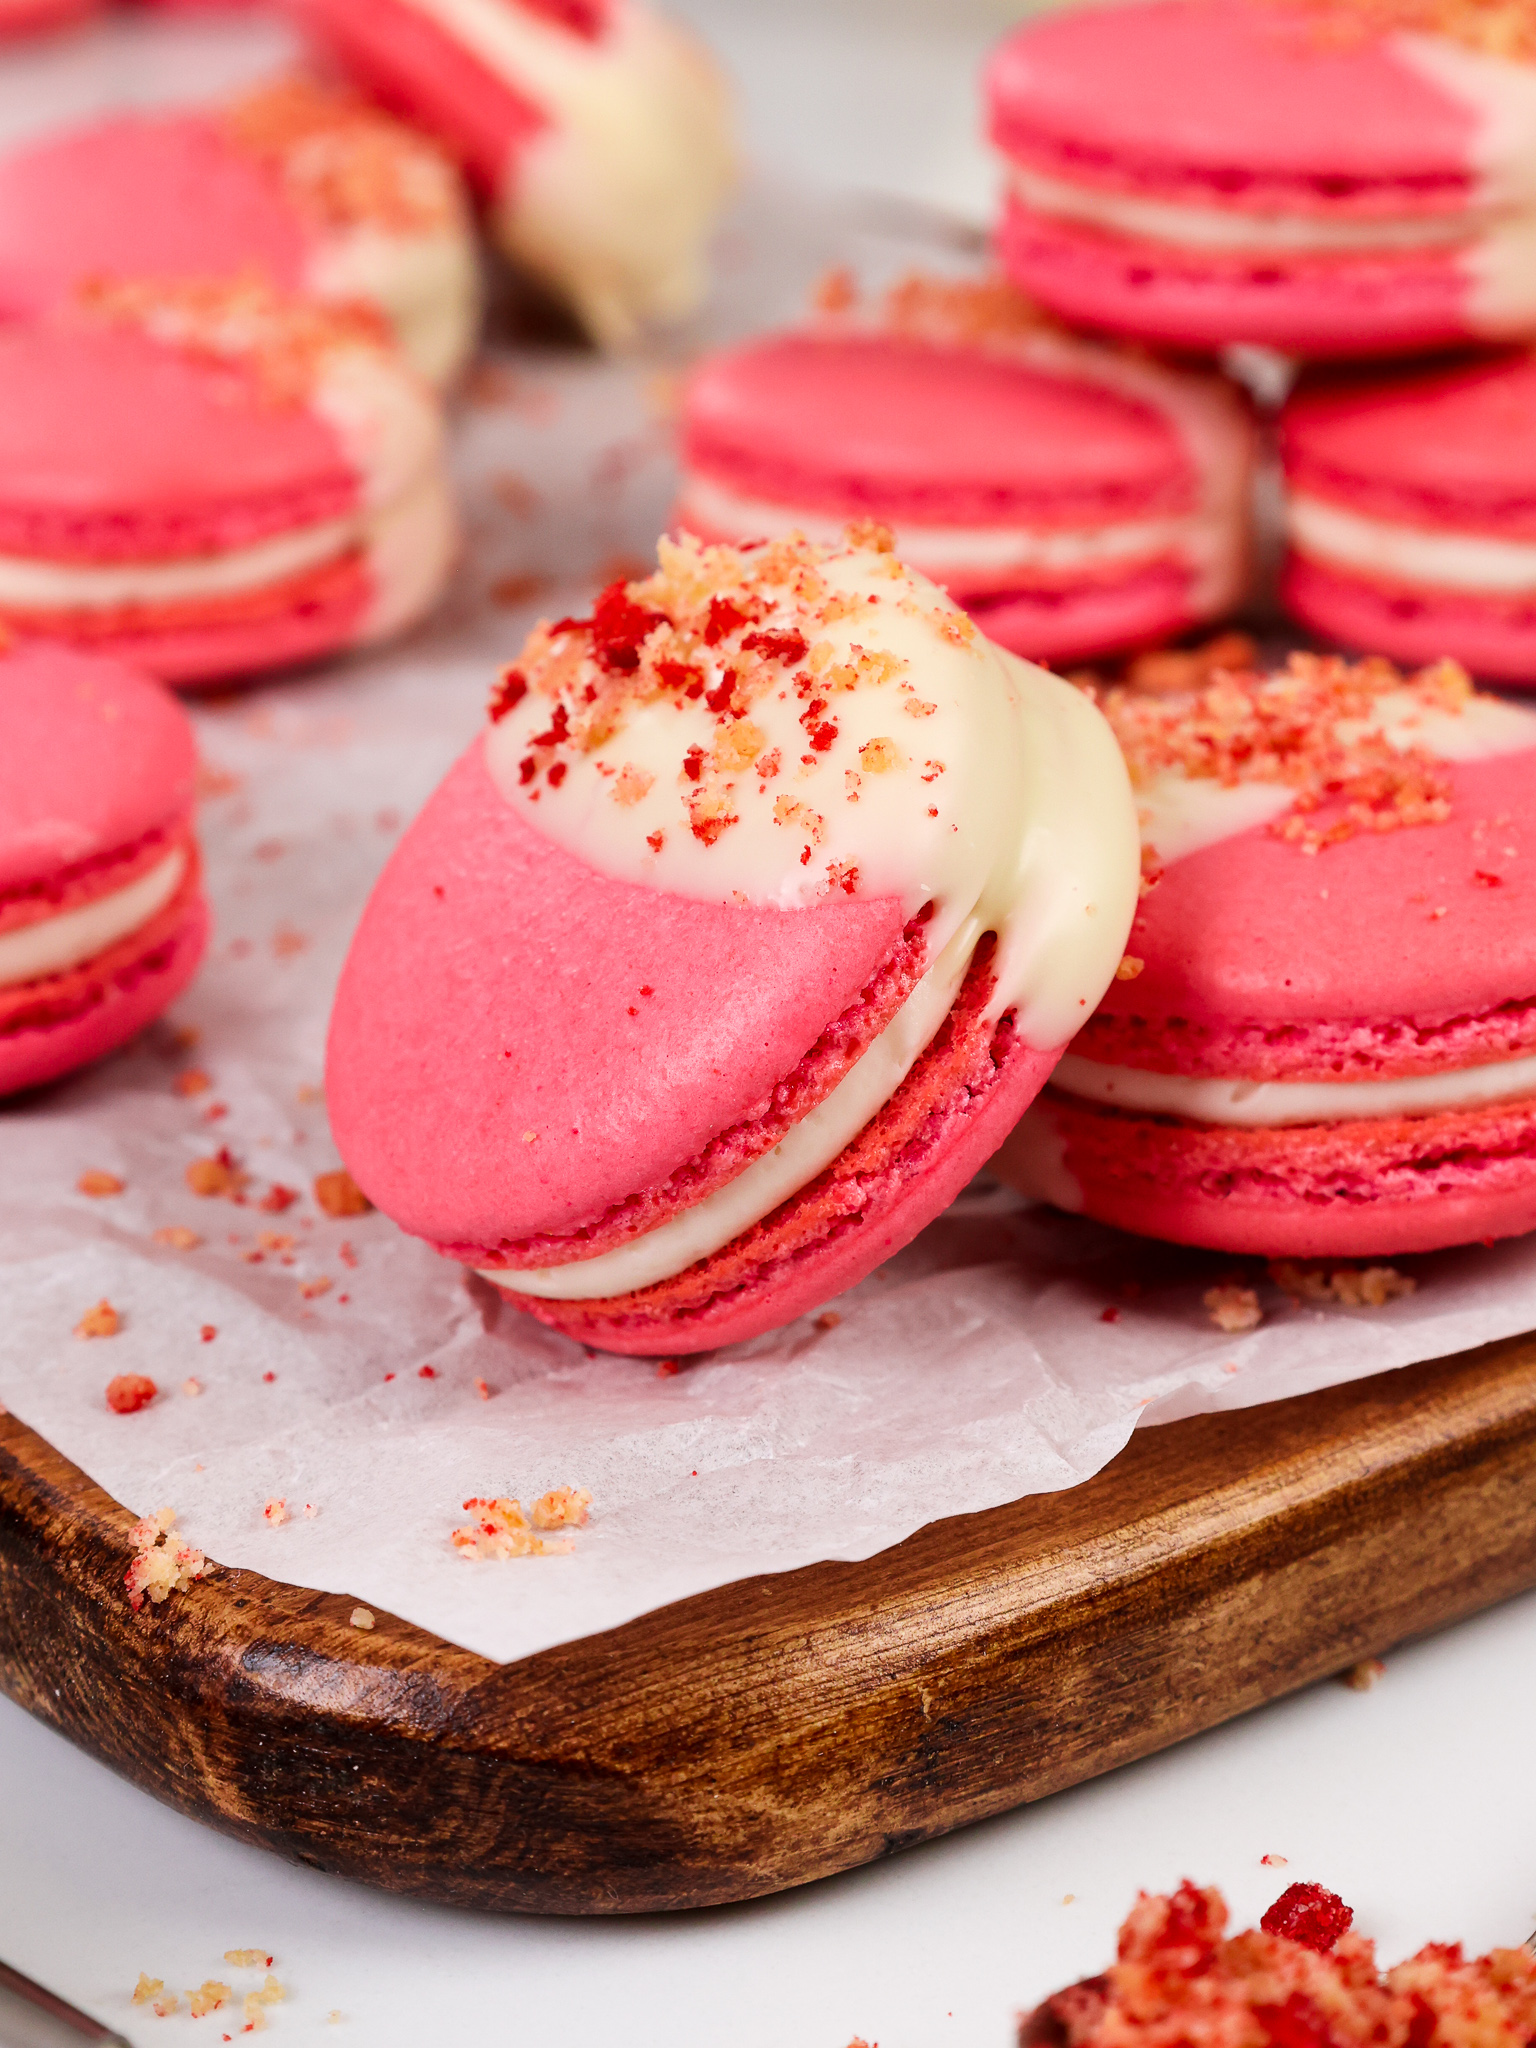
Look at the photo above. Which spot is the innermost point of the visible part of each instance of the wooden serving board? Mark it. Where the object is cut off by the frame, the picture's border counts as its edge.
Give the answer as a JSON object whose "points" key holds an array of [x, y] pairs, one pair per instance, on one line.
{"points": [[784, 1728]]}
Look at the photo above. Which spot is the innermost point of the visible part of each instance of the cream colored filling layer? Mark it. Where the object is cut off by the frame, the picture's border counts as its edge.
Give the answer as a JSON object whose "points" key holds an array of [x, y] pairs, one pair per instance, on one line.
{"points": [[805, 1149], [1449, 561], [56, 943], [27, 584], [427, 285], [1230, 228], [1275, 1104]]}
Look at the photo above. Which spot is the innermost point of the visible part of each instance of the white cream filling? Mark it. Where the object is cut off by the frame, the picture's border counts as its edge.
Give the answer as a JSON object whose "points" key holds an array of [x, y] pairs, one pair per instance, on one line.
{"points": [[612, 203], [1032, 836], [30, 584], [412, 547], [1234, 229], [1449, 561], [56, 943], [426, 284], [950, 552], [804, 1150], [1250, 1105]]}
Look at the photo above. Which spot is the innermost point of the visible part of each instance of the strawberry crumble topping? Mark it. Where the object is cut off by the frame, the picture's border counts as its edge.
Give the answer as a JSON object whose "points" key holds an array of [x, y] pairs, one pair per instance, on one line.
{"points": [[165, 1562], [341, 160]]}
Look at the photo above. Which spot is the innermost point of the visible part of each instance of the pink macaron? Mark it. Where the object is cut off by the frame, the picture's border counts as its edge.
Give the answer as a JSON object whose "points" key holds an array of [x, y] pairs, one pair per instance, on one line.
{"points": [[1323, 1040], [1411, 512], [34, 17], [1072, 497], [211, 481], [597, 132], [1322, 177], [102, 919], [304, 186], [732, 949]]}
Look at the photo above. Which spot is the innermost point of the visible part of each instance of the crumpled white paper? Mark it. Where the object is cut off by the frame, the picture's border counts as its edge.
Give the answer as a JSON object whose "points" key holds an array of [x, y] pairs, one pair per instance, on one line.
{"points": [[1008, 1351]]}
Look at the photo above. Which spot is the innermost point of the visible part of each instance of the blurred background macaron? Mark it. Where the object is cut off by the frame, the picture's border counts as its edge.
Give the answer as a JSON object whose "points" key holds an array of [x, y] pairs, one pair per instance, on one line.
{"points": [[305, 186], [1073, 497], [102, 918]]}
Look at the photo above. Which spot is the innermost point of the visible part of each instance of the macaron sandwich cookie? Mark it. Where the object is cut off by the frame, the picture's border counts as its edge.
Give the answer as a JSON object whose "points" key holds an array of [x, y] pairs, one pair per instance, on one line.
{"points": [[597, 133], [1320, 176], [102, 919], [1323, 1040], [304, 186], [1411, 512], [33, 17], [1071, 496], [733, 947], [212, 480]]}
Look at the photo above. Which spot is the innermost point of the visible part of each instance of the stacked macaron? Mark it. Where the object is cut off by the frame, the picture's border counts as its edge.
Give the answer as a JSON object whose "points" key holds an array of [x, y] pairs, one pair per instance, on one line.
{"points": [[102, 919], [1074, 497], [212, 480], [733, 948], [1322, 1041]]}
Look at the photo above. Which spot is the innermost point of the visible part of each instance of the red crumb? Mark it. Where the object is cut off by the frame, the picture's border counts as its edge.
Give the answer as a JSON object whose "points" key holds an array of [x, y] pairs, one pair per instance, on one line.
{"points": [[338, 1194], [278, 1198], [1309, 1914], [101, 1321], [130, 1392], [96, 1183], [667, 1368], [347, 1256], [426, 1372], [1109, 1315], [208, 1332], [269, 1377], [482, 1390]]}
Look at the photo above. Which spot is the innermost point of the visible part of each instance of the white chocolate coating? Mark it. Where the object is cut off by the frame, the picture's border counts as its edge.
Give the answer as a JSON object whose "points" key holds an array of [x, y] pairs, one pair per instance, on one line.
{"points": [[1450, 561], [426, 283], [53, 944], [1250, 1105]]}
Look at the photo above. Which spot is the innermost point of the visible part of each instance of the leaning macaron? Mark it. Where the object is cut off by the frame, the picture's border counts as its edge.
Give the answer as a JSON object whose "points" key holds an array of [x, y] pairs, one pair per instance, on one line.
{"points": [[213, 480], [1411, 513], [1314, 175], [598, 132], [304, 186], [1324, 1038], [102, 918], [733, 948], [1073, 497]]}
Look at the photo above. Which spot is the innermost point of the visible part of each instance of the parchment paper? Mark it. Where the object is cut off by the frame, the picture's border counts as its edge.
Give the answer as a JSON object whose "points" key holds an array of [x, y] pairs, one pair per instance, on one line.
{"points": [[1008, 1351]]}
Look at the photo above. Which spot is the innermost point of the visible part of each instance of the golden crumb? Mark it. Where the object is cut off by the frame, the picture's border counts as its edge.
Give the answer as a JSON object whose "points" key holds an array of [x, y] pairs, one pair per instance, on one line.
{"points": [[1164, 670], [248, 1958], [146, 1988], [165, 1563], [983, 313], [1233, 1308], [96, 1183], [563, 1507], [101, 1321], [1362, 1676], [177, 1238], [210, 1996], [1496, 28], [275, 1511], [219, 1175], [192, 1081], [313, 1289], [873, 534], [1350, 1286], [191, 1388], [1129, 968], [829, 1319], [1274, 1862], [342, 161], [836, 292], [362, 1617], [338, 1194], [501, 1529]]}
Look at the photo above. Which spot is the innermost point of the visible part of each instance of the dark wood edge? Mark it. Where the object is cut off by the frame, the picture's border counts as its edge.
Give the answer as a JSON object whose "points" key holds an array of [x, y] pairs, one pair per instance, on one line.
{"points": [[788, 1727]]}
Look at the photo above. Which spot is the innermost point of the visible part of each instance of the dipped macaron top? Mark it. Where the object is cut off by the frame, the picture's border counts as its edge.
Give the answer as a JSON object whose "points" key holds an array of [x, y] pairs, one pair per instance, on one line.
{"points": [[1341, 876], [97, 771], [1278, 107], [1452, 446], [723, 835]]}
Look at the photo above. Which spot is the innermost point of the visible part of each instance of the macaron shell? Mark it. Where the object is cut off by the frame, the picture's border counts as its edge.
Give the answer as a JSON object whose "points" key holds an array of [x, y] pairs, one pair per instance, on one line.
{"points": [[1368, 1189], [52, 1026], [31, 17], [880, 424], [138, 198], [114, 447], [1097, 616], [1494, 637], [520, 1044], [1425, 923], [96, 757]]}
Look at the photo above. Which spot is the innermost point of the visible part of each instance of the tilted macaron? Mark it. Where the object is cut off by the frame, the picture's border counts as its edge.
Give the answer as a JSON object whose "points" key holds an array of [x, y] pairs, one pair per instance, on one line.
{"points": [[102, 919], [1325, 1038], [1411, 513], [1071, 496], [212, 480], [598, 132], [304, 186], [1322, 176], [733, 948]]}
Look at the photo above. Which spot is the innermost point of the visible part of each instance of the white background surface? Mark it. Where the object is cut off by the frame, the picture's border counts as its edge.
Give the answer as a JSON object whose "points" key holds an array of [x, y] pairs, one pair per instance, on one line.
{"points": [[1415, 1801]]}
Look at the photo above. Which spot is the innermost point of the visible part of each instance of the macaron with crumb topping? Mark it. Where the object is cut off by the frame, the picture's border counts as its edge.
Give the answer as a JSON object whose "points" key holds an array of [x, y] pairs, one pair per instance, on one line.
{"points": [[1074, 497], [298, 183], [734, 945], [1323, 1039], [102, 918]]}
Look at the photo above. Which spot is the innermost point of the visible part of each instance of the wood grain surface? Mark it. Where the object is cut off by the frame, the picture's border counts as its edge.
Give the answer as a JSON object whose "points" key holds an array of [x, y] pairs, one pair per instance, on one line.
{"points": [[784, 1728]]}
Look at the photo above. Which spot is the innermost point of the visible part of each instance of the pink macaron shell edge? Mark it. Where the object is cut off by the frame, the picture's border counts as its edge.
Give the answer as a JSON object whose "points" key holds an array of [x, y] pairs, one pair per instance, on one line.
{"points": [[1415, 624]]}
